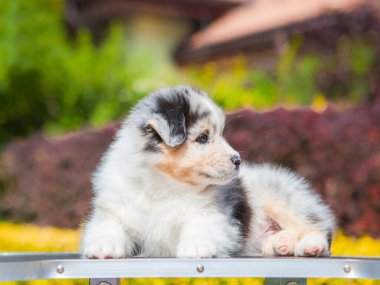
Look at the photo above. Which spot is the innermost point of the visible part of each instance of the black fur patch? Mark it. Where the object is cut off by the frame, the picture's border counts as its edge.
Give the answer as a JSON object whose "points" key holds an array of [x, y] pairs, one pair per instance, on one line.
{"points": [[174, 106], [329, 238], [137, 249], [196, 90], [194, 117], [153, 141], [314, 218], [232, 199]]}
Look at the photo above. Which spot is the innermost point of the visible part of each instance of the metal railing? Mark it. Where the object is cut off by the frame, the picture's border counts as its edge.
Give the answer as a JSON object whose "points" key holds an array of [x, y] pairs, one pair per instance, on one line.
{"points": [[278, 270]]}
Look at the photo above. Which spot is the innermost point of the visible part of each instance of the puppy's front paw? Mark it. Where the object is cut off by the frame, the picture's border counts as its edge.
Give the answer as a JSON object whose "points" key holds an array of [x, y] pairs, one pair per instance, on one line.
{"points": [[196, 248], [105, 248], [313, 244], [284, 242]]}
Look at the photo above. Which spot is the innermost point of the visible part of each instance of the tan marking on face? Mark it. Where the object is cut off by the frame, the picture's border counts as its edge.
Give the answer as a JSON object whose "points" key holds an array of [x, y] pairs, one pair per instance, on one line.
{"points": [[175, 152], [209, 128], [196, 164], [171, 165]]}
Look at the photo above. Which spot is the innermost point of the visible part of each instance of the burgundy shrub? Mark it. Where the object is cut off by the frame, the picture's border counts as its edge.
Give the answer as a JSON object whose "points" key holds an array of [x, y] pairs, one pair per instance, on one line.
{"points": [[48, 179]]}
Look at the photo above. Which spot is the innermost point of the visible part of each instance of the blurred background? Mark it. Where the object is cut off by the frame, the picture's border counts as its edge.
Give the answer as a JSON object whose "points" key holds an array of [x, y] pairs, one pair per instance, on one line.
{"points": [[299, 80]]}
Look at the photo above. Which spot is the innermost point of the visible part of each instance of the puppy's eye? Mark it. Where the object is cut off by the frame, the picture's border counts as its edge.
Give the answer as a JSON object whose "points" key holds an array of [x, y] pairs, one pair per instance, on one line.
{"points": [[203, 138]]}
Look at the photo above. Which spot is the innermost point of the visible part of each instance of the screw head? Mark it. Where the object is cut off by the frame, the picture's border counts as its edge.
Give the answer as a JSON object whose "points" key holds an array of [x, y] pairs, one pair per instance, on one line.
{"points": [[60, 269], [200, 268], [347, 268]]}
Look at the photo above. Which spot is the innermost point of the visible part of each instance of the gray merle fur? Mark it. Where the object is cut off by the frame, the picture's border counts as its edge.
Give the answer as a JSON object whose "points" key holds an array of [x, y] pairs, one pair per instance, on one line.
{"points": [[232, 200], [174, 106]]}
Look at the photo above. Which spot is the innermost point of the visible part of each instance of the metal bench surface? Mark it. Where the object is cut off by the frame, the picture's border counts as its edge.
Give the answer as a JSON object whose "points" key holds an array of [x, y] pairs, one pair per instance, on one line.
{"points": [[71, 266]]}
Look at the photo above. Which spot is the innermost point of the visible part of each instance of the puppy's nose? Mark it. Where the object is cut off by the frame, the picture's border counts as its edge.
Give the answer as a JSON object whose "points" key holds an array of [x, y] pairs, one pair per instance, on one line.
{"points": [[236, 160]]}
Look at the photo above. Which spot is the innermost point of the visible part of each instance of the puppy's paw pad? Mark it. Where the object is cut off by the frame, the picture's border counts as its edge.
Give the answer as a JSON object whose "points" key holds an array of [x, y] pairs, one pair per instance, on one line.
{"points": [[283, 242], [196, 249], [312, 245], [315, 251], [105, 250], [282, 250]]}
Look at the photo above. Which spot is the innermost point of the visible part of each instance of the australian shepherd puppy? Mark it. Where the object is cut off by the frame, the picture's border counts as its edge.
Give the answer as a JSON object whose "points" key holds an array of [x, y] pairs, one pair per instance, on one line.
{"points": [[171, 186]]}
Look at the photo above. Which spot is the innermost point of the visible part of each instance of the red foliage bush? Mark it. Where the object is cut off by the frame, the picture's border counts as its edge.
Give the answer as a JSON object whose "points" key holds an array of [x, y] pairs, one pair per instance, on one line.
{"points": [[48, 180]]}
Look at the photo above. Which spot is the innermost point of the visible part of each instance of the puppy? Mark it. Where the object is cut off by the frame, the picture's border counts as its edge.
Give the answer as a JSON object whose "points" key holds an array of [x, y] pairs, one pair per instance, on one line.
{"points": [[170, 186]]}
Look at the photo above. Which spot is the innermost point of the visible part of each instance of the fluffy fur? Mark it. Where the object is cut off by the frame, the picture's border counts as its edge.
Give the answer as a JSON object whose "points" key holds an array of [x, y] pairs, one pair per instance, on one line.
{"points": [[170, 186]]}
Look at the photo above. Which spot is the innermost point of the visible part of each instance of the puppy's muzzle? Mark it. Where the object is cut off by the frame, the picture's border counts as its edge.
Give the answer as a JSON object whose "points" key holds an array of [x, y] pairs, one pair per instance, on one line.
{"points": [[236, 160]]}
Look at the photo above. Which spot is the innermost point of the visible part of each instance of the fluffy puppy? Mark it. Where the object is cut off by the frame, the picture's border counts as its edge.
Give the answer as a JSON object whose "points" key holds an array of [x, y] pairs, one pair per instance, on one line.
{"points": [[169, 186]]}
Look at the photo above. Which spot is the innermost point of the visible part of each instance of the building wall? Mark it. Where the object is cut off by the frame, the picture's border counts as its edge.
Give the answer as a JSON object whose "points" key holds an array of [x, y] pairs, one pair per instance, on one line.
{"points": [[156, 35]]}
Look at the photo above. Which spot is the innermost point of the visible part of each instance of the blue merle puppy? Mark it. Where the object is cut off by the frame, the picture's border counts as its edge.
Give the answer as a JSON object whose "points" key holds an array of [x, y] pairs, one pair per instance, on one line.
{"points": [[171, 186]]}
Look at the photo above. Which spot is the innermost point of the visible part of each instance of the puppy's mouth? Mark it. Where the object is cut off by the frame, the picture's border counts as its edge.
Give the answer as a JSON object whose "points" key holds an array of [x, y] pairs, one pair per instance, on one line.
{"points": [[222, 176]]}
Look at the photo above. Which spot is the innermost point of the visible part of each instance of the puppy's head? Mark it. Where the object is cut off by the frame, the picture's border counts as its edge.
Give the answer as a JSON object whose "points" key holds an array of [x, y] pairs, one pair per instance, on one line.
{"points": [[182, 134]]}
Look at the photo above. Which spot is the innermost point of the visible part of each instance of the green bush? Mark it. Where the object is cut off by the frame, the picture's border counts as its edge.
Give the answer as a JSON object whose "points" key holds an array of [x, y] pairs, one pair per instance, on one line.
{"points": [[50, 82], [299, 76]]}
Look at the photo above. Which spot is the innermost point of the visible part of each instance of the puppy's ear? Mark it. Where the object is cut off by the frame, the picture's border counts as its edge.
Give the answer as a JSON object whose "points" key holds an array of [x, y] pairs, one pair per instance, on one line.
{"points": [[170, 126]]}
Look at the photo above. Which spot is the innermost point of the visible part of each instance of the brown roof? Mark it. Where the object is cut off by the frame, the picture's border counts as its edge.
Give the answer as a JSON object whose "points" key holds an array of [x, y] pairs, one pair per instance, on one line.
{"points": [[260, 16]]}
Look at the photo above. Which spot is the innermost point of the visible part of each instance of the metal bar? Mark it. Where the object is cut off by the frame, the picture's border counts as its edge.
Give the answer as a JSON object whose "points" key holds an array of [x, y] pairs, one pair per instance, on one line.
{"points": [[285, 281], [71, 266]]}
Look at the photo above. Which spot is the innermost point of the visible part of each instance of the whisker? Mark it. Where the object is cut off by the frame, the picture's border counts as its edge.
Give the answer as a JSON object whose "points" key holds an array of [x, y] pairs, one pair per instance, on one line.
{"points": [[236, 117], [242, 150]]}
